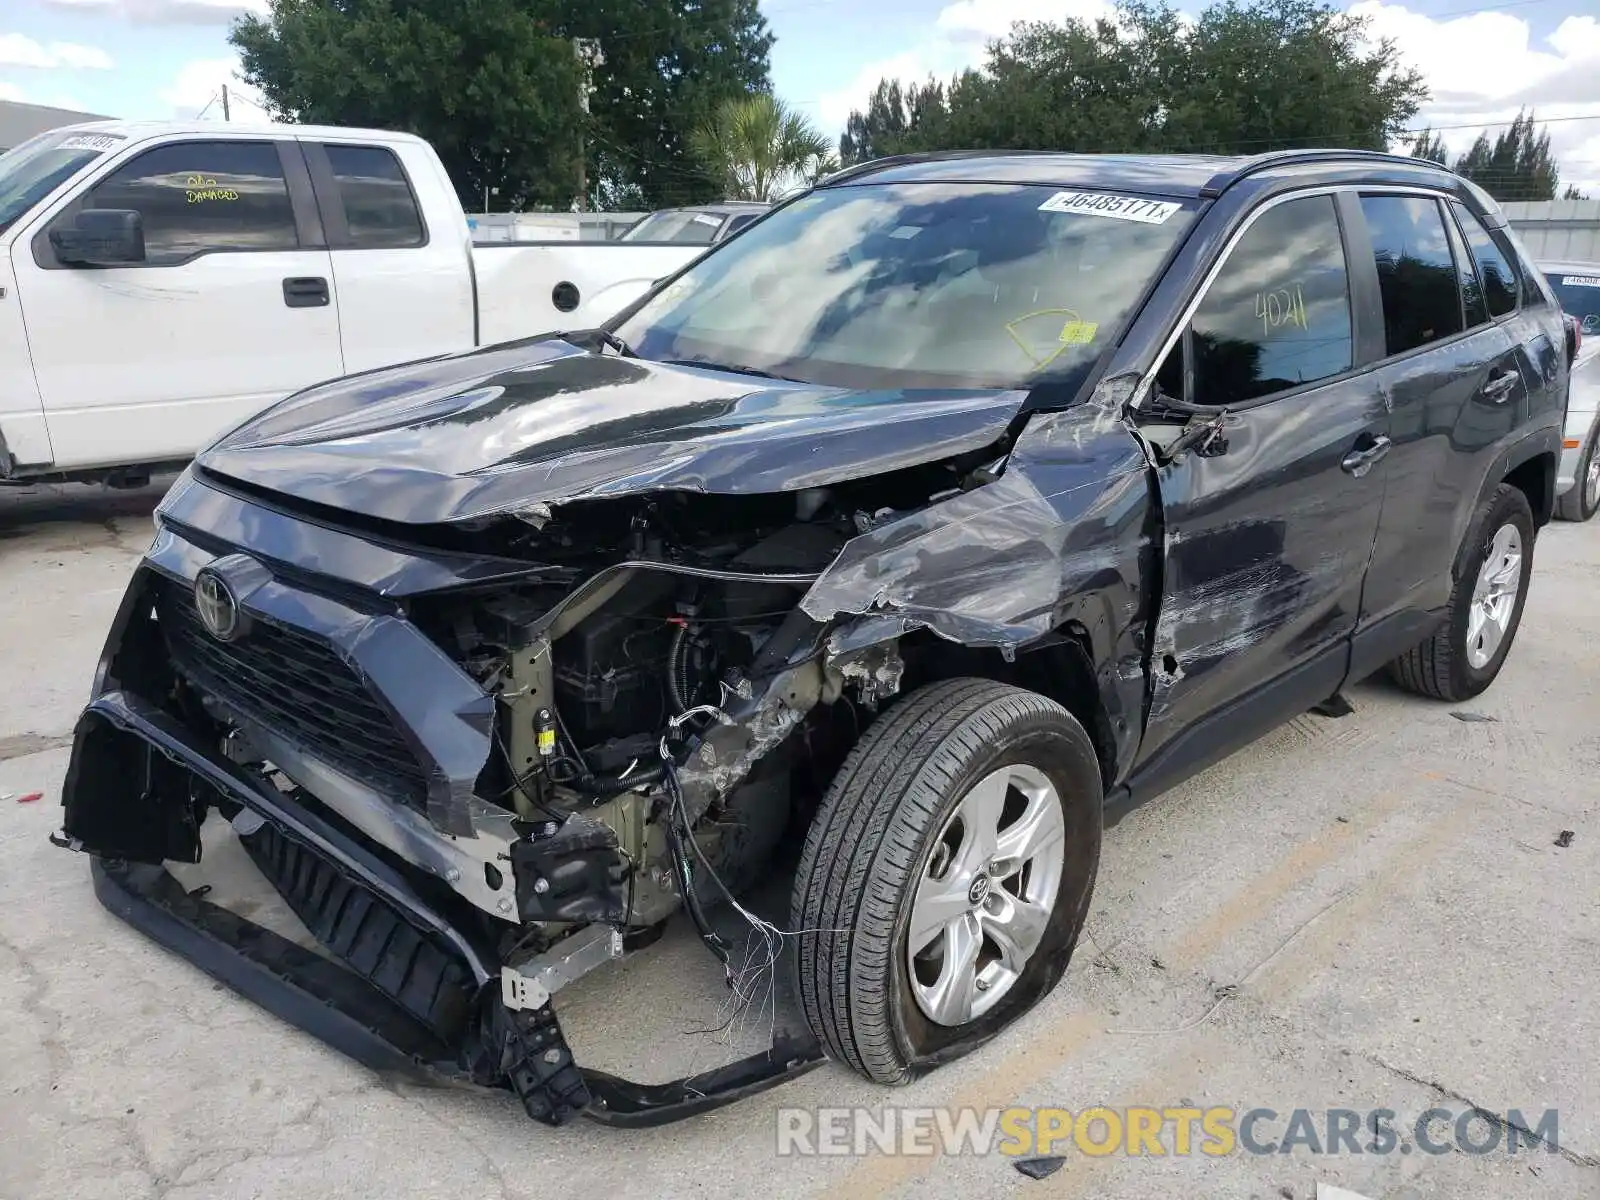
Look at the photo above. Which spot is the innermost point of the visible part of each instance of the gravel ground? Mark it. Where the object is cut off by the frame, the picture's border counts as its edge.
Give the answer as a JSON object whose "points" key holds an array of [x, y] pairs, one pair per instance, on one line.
{"points": [[1362, 913]]}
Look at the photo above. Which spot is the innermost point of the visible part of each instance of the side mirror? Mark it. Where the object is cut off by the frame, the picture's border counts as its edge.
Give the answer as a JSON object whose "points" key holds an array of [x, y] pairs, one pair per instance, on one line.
{"points": [[101, 237]]}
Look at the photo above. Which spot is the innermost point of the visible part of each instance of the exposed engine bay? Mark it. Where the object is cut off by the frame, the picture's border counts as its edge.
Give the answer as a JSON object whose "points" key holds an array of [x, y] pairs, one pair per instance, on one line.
{"points": [[617, 697]]}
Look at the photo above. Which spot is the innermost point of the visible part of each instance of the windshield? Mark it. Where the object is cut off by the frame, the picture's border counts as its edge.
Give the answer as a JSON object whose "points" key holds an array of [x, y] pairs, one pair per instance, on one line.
{"points": [[1580, 297], [31, 171], [694, 227], [918, 285]]}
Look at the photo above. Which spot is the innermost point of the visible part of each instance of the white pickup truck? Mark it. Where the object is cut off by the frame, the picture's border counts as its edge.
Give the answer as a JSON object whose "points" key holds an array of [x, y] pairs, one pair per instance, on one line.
{"points": [[159, 283]]}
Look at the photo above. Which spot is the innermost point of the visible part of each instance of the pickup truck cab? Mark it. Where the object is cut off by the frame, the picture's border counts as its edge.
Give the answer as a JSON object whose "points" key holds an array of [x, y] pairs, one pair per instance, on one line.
{"points": [[908, 536], [161, 282]]}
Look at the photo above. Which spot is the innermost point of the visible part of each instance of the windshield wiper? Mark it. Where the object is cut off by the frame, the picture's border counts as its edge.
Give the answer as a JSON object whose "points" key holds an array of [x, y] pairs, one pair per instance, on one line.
{"points": [[587, 339], [731, 368]]}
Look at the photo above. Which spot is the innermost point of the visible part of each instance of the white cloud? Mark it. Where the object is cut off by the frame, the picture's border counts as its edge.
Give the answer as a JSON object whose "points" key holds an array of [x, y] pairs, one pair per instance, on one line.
{"points": [[10, 91], [957, 41], [168, 12], [197, 88], [1483, 67], [19, 50]]}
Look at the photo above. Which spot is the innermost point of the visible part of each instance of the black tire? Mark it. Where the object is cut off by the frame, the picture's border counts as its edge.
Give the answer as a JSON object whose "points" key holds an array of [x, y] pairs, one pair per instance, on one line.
{"points": [[872, 840], [1439, 667], [1577, 504]]}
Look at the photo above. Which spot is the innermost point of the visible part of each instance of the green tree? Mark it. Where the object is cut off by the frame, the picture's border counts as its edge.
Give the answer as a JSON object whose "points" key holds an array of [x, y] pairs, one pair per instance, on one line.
{"points": [[486, 81], [668, 65], [497, 85], [1245, 76], [1430, 145], [1572, 193], [759, 147], [1516, 165]]}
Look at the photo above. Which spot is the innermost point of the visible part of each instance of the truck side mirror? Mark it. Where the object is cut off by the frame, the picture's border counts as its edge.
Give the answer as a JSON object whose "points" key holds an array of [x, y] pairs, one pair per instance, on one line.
{"points": [[101, 237]]}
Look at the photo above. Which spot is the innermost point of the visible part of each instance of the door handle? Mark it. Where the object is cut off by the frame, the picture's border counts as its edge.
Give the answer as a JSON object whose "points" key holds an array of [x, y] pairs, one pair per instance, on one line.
{"points": [[305, 292], [1498, 389], [1362, 459]]}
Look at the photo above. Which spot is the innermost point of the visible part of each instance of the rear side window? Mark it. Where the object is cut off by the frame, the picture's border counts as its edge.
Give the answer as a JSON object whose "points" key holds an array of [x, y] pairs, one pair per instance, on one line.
{"points": [[1278, 313], [1472, 304], [1416, 271], [1499, 277], [379, 208], [203, 197]]}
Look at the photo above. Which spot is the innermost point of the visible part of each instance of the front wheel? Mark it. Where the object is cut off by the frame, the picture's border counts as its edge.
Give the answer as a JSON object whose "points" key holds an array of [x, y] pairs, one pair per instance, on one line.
{"points": [[946, 876], [1462, 658]]}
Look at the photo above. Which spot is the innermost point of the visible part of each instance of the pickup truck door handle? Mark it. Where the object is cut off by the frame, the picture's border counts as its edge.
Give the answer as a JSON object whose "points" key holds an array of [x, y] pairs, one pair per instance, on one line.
{"points": [[1369, 452], [1498, 389], [305, 292]]}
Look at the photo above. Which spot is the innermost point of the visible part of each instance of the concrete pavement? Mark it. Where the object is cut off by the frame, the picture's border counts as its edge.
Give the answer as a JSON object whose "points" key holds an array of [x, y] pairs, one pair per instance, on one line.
{"points": [[1361, 913]]}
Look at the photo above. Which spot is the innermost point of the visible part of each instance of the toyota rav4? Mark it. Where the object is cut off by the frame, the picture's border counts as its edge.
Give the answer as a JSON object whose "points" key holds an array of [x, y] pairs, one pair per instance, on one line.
{"points": [[899, 543]]}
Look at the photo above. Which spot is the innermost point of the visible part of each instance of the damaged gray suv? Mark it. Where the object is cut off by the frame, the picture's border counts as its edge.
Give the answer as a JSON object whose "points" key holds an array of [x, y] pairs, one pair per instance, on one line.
{"points": [[894, 546]]}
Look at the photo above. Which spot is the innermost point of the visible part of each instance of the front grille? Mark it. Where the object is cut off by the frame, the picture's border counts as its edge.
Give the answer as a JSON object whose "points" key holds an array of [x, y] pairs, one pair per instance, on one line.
{"points": [[298, 687]]}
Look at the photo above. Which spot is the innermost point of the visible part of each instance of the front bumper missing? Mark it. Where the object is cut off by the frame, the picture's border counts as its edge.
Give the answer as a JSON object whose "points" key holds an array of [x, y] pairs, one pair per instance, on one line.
{"points": [[408, 991]]}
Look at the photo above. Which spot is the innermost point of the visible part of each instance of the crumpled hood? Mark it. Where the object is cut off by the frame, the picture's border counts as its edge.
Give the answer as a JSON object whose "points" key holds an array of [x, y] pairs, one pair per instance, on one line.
{"points": [[496, 430]]}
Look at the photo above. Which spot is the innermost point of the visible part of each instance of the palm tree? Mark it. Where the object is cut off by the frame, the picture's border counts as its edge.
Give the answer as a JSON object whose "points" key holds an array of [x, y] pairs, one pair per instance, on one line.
{"points": [[759, 148]]}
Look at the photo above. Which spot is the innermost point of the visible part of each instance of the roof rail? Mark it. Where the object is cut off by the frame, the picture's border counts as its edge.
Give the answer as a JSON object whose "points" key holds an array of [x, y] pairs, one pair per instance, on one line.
{"points": [[873, 166], [1223, 180]]}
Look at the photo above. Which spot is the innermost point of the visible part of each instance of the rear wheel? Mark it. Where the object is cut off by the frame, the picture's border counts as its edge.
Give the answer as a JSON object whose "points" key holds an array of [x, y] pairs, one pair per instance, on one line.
{"points": [[1582, 500], [946, 876], [1463, 657]]}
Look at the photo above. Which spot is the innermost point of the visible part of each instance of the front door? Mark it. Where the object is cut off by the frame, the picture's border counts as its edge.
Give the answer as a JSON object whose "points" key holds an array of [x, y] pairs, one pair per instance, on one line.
{"points": [[1269, 529], [228, 313]]}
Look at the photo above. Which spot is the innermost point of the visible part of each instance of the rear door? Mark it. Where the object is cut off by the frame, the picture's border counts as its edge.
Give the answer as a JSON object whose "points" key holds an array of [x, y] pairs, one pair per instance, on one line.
{"points": [[405, 289], [1269, 531], [1459, 381], [230, 310]]}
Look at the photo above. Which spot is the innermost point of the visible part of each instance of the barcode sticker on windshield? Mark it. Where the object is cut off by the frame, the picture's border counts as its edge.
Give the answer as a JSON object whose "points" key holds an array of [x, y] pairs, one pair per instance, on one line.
{"points": [[1123, 208], [1581, 281], [91, 141]]}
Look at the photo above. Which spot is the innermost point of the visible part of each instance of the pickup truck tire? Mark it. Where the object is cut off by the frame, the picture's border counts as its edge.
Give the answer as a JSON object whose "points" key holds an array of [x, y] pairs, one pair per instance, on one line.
{"points": [[894, 819], [1582, 499], [1462, 658]]}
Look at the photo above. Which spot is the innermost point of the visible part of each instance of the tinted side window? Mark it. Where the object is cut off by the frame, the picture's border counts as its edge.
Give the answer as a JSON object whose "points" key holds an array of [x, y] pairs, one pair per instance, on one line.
{"points": [[1416, 274], [1472, 303], [195, 197], [1494, 268], [378, 205], [1278, 313]]}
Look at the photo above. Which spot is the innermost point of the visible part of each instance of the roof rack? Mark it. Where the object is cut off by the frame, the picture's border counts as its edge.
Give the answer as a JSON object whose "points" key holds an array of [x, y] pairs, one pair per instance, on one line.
{"points": [[874, 165], [1223, 180]]}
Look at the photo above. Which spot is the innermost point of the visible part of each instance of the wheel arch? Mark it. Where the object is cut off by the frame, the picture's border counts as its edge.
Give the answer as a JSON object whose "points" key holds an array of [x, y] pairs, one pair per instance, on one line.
{"points": [[1058, 666]]}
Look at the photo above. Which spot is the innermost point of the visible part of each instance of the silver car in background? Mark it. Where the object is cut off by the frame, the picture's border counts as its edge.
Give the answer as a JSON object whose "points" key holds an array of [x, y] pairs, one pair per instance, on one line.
{"points": [[1577, 287]]}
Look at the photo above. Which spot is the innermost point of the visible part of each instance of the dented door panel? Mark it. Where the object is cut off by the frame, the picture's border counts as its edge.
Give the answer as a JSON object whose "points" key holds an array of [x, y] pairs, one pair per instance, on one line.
{"points": [[1266, 549]]}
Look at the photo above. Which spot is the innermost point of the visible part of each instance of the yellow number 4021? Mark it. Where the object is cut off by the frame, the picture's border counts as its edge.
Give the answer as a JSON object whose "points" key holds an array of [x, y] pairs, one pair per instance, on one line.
{"points": [[1286, 306]]}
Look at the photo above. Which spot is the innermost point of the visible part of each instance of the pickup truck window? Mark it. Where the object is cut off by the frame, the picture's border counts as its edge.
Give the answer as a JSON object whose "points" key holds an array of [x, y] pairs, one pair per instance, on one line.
{"points": [[204, 197], [1278, 313], [1416, 272], [1494, 268], [379, 207], [881, 285], [31, 171]]}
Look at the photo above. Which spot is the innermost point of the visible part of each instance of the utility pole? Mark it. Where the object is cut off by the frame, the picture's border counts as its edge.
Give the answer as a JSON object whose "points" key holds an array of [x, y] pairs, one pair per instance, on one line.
{"points": [[226, 115], [589, 56]]}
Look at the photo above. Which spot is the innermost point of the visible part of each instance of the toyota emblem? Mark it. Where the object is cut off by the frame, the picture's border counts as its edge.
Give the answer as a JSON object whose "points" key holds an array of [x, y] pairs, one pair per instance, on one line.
{"points": [[215, 602]]}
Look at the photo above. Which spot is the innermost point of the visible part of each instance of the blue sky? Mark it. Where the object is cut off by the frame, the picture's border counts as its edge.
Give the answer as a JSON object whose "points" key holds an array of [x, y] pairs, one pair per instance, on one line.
{"points": [[162, 58]]}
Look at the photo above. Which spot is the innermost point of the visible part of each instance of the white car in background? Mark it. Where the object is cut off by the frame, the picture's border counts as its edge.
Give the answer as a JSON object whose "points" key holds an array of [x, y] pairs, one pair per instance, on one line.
{"points": [[1577, 287]]}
